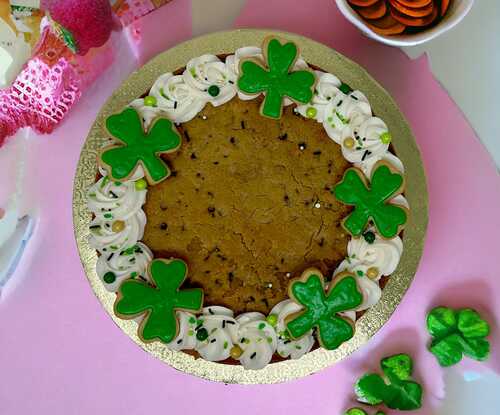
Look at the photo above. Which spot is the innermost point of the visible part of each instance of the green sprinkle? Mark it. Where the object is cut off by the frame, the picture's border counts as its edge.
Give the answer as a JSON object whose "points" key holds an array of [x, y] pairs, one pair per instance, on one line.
{"points": [[311, 112], [272, 319], [226, 344], [92, 194], [346, 89], [141, 184], [133, 274], [329, 119], [150, 101], [162, 93], [369, 237], [202, 334], [298, 347], [262, 326], [108, 215], [190, 332], [192, 71], [105, 181], [213, 90], [386, 137], [269, 339], [192, 320], [359, 272], [109, 277], [342, 118]]}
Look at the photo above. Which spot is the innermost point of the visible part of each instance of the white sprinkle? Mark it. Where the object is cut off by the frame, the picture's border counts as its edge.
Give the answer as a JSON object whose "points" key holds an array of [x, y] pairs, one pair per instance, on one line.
{"points": [[204, 117], [302, 147], [288, 274], [270, 285], [317, 205]]}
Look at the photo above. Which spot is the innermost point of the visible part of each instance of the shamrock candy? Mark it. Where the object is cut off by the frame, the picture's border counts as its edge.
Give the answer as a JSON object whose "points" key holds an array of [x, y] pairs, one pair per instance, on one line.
{"points": [[456, 333], [395, 389], [371, 202], [278, 81], [321, 309], [158, 302], [359, 411], [139, 148]]}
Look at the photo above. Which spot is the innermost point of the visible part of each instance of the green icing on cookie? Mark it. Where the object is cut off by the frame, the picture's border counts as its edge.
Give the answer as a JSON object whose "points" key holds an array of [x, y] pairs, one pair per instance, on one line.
{"points": [[321, 308], [396, 389], [360, 411], [159, 302], [139, 147], [371, 203], [277, 81], [456, 333]]}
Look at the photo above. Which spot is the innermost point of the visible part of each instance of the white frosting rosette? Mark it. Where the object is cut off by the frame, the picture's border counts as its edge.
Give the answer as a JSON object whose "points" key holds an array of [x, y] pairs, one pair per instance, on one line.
{"points": [[178, 100], [327, 88], [115, 267], [147, 112], [104, 239], [206, 72], [367, 140], [257, 338], [222, 330], [110, 201], [345, 112], [369, 163], [186, 337], [286, 346]]}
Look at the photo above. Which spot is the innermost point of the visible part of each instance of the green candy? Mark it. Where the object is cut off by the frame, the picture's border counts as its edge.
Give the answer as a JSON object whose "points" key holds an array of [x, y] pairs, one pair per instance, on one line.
{"points": [[138, 147], [213, 90], [371, 203], [202, 334], [395, 389], [272, 319], [277, 81], [150, 101], [160, 302], [456, 333], [359, 411], [109, 277], [321, 308]]}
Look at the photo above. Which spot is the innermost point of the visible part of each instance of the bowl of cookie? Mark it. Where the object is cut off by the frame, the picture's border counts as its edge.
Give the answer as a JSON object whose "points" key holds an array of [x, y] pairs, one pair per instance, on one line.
{"points": [[404, 22]]}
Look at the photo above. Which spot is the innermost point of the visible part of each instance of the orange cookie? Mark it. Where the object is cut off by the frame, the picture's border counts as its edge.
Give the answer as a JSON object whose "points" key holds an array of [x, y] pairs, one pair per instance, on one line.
{"points": [[413, 12], [415, 3], [414, 21], [362, 3], [386, 25], [444, 6], [375, 11]]}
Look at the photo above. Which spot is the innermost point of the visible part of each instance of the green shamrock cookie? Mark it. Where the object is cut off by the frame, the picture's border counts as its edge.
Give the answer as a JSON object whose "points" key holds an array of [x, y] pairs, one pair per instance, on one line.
{"points": [[321, 309], [456, 333], [372, 202], [158, 302], [138, 147], [277, 81], [360, 411], [395, 389]]}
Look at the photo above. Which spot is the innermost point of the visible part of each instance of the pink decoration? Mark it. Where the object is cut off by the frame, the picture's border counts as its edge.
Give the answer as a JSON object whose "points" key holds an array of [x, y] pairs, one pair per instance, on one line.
{"points": [[39, 97]]}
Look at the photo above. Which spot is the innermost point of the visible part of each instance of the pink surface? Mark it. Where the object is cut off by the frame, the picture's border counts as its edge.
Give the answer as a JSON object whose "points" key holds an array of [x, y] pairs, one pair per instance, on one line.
{"points": [[62, 354]]}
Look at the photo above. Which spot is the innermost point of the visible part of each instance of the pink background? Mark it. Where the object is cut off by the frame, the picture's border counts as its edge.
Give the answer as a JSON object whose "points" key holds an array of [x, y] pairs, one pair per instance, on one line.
{"points": [[61, 354]]}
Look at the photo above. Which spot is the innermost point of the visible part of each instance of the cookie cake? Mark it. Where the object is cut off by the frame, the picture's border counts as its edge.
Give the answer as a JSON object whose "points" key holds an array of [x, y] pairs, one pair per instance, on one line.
{"points": [[248, 208]]}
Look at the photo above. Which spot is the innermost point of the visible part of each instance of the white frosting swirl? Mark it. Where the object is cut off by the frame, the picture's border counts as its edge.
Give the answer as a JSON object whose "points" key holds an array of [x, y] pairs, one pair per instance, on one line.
{"points": [[130, 263], [104, 239], [288, 347], [327, 88], [147, 112], [345, 112], [367, 138], [179, 101], [110, 201], [383, 254], [186, 337], [257, 338], [205, 71], [369, 163], [222, 330]]}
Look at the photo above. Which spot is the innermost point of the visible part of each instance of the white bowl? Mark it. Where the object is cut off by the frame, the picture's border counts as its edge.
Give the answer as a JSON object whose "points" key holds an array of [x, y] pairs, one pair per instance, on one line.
{"points": [[457, 11]]}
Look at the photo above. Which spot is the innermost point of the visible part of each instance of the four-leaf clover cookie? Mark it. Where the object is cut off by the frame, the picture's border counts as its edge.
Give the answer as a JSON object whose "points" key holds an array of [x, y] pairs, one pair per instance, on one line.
{"points": [[456, 333], [321, 308], [138, 147], [277, 81], [371, 202], [160, 302], [395, 389]]}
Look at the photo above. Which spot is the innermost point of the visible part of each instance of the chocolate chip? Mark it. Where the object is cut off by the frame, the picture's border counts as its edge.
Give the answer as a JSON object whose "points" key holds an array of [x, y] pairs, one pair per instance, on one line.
{"points": [[193, 156], [232, 140], [163, 226], [283, 137]]}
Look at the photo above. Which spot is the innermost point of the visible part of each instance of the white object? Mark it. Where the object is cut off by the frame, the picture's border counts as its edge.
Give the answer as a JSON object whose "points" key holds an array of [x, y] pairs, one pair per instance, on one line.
{"points": [[457, 11]]}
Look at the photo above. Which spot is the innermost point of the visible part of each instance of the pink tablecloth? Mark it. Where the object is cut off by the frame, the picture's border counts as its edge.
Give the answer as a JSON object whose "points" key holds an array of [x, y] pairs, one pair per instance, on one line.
{"points": [[61, 354]]}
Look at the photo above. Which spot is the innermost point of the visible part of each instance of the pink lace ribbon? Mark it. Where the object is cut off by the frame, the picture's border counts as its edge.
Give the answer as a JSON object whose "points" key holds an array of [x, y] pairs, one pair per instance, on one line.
{"points": [[39, 98]]}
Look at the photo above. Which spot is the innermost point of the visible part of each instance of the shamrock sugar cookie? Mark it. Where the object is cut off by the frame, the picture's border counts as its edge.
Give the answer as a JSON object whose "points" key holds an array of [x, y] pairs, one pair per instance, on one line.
{"points": [[137, 147], [266, 157]]}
